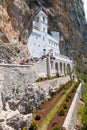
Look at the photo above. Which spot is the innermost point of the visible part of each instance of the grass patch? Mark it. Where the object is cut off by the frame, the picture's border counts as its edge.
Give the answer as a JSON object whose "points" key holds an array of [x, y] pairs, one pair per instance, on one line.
{"points": [[83, 111], [56, 128]]}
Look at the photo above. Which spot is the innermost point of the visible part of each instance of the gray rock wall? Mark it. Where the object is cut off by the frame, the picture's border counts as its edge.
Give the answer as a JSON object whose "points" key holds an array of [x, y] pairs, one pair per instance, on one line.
{"points": [[14, 82], [16, 76]]}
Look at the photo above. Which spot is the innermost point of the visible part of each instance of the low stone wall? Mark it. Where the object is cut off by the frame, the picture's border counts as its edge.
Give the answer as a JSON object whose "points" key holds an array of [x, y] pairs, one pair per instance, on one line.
{"points": [[12, 75], [70, 120], [52, 84]]}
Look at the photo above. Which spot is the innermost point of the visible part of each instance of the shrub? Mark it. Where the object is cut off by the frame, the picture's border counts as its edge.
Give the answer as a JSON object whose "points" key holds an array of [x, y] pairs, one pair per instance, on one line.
{"points": [[42, 102], [46, 78], [39, 107], [61, 112], [17, 90], [57, 75], [69, 96], [67, 99], [65, 106], [49, 99], [56, 128], [33, 126], [72, 90], [1, 29], [30, 108], [24, 128], [60, 88], [39, 79], [13, 90], [38, 117]]}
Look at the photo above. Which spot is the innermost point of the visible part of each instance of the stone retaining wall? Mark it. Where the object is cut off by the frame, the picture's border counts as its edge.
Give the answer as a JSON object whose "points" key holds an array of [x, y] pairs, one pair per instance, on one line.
{"points": [[70, 120], [21, 76], [15, 76], [18, 90]]}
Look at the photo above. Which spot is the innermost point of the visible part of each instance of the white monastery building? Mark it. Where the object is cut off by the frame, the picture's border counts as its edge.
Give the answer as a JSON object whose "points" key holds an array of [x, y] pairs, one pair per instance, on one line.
{"points": [[41, 43]]}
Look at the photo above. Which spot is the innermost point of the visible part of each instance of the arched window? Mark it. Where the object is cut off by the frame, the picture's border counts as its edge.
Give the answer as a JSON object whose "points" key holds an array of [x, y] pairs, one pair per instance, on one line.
{"points": [[43, 19], [61, 67], [56, 68]]}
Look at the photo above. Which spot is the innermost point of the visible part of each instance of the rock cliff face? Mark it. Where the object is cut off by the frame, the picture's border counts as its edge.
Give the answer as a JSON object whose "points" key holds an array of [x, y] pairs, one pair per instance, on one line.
{"points": [[66, 16], [15, 27]]}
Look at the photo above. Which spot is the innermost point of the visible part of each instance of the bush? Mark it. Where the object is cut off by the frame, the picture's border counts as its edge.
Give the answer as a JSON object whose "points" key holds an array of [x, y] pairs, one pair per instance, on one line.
{"points": [[17, 90], [30, 108], [13, 90], [24, 128], [69, 96], [72, 91], [39, 107], [33, 126], [46, 78], [43, 102], [60, 88], [65, 106], [67, 99], [61, 112], [38, 117], [39, 79], [56, 128]]}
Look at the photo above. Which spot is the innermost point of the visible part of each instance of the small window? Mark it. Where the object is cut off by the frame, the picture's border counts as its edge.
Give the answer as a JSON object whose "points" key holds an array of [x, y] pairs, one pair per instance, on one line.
{"points": [[44, 49], [34, 44], [39, 45], [37, 19], [43, 19], [43, 29], [43, 38]]}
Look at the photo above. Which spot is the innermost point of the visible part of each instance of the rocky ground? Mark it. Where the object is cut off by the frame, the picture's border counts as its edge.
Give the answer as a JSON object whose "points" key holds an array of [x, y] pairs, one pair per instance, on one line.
{"points": [[16, 109]]}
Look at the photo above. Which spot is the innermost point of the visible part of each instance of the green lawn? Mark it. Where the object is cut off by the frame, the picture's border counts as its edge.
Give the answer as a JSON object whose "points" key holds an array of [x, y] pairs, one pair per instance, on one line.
{"points": [[55, 108], [84, 111]]}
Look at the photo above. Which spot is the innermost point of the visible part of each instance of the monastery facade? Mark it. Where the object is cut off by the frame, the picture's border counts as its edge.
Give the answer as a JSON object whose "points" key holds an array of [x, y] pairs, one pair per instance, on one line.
{"points": [[41, 43]]}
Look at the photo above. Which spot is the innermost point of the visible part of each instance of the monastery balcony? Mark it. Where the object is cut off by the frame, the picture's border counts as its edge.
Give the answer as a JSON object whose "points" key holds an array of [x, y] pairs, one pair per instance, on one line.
{"points": [[61, 58]]}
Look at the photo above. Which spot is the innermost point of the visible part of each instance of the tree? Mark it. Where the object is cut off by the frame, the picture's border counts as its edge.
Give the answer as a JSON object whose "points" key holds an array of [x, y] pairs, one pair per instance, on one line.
{"points": [[70, 72]]}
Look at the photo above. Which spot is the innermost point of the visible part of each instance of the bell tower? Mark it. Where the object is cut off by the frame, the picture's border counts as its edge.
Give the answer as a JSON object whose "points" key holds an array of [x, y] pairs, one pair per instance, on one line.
{"points": [[41, 22]]}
